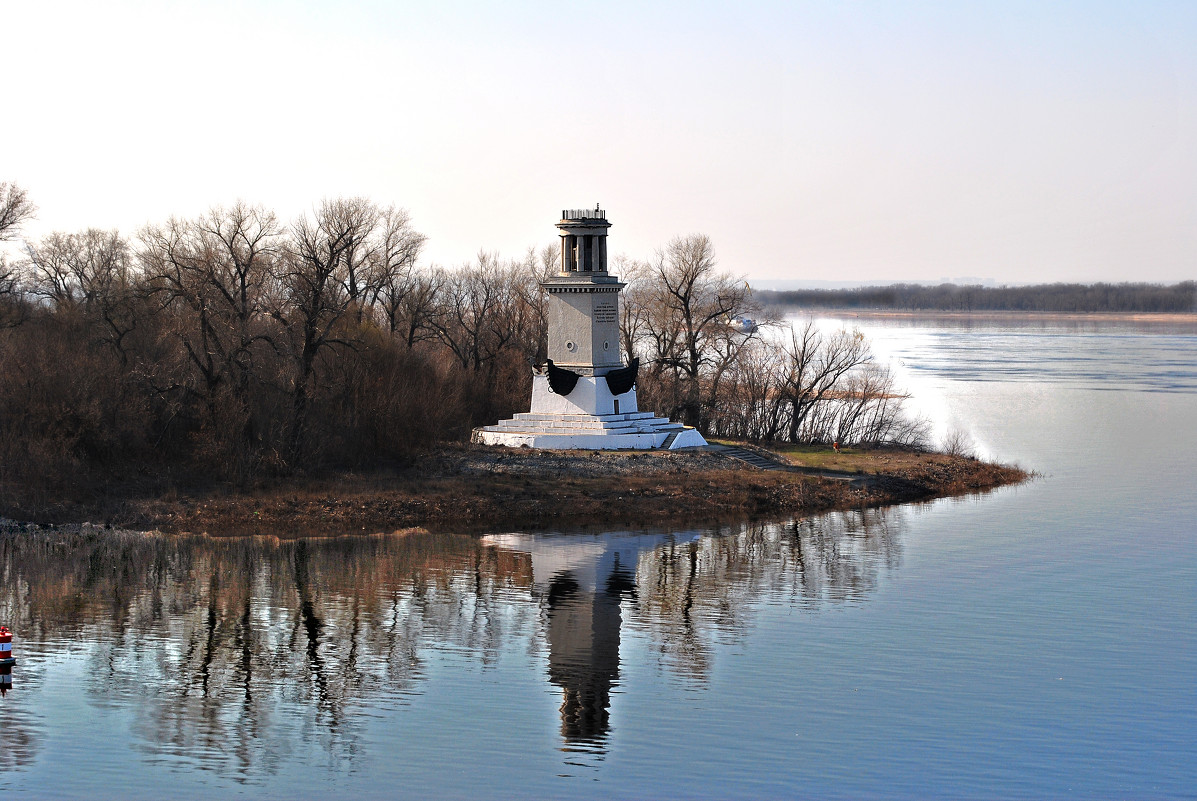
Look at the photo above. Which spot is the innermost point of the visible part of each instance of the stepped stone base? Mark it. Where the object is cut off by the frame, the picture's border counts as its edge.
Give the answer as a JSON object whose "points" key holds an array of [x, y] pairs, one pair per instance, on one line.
{"points": [[589, 431], [587, 419]]}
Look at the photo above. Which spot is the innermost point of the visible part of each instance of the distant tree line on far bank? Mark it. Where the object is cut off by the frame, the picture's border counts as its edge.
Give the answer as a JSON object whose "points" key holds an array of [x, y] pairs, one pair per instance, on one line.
{"points": [[233, 345], [1074, 298]]}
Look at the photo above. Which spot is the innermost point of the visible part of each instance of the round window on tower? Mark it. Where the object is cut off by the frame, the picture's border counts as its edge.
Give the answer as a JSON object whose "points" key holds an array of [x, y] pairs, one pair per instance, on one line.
{"points": [[606, 346], [571, 347]]}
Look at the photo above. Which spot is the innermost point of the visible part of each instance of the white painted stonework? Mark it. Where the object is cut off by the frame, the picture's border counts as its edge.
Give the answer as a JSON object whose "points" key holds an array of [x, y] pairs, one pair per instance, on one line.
{"points": [[586, 419], [583, 316], [590, 396]]}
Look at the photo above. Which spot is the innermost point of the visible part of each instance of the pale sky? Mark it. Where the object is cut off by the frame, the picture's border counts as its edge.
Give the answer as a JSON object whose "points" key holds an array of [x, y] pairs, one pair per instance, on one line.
{"points": [[846, 141]]}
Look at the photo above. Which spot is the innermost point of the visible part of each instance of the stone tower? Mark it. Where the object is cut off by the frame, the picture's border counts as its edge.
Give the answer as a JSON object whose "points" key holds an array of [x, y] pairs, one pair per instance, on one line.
{"points": [[583, 298], [585, 396]]}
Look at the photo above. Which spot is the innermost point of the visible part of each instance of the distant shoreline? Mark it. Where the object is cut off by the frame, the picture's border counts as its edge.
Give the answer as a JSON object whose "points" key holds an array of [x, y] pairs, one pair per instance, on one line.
{"points": [[1110, 301], [1187, 318]]}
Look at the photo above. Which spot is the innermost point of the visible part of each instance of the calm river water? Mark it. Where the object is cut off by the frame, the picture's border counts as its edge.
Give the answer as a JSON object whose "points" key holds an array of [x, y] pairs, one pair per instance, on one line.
{"points": [[1035, 642]]}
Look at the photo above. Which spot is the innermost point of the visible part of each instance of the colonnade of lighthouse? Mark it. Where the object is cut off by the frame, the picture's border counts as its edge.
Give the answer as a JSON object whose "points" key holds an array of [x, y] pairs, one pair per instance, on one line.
{"points": [[584, 246]]}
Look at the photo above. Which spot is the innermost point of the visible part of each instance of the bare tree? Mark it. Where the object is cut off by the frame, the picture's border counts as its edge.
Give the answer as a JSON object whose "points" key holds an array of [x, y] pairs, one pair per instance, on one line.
{"points": [[212, 278], [72, 270], [688, 310], [320, 279], [88, 273], [868, 406], [815, 366], [356, 220], [420, 307], [634, 308], [538, 266], [13, 310], [529, 309], [748, 405], [15, 209], [476, 311], [393, 277]]}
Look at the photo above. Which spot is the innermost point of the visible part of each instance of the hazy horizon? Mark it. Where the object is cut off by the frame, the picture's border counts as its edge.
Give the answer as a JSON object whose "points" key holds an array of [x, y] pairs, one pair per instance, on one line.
{"points": [[862, 143]]}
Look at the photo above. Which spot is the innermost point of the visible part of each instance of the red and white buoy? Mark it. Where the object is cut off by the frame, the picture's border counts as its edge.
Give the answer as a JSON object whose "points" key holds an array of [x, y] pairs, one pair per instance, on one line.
{"points": [[7, 660]]}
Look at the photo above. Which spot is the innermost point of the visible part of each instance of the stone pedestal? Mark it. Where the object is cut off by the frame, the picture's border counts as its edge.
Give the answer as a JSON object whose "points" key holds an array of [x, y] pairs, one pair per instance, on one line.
{"points": [[587, 418]]}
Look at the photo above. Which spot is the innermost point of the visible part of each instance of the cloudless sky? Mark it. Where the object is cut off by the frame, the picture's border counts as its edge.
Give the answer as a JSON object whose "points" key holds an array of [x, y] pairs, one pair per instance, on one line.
{"points": [[844, 141]]}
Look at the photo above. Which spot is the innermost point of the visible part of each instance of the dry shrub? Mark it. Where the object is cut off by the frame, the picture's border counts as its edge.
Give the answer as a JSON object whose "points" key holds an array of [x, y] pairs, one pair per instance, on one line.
{"points": [[957, 442], [402, 401], [65, 405]]}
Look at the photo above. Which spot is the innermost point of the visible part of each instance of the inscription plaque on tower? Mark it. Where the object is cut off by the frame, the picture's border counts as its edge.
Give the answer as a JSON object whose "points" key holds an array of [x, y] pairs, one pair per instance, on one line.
{"points": [[606, 311]]}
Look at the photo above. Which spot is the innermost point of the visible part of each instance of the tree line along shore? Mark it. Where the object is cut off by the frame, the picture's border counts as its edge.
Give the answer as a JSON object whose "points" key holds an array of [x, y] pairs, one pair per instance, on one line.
{"points": [[233, 350], [1098, 298]]}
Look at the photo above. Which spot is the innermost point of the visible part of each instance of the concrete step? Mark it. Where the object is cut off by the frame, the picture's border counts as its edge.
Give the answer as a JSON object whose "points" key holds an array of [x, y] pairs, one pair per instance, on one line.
{"points": [[752, 458], [537, 416], [578, 420], [597, 427], [649, 425]]}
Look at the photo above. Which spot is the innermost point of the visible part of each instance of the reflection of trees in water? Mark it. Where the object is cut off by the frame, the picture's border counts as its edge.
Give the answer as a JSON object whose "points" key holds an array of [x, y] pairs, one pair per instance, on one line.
{"points": [[236, 651], [19, 739], [693, 593]]}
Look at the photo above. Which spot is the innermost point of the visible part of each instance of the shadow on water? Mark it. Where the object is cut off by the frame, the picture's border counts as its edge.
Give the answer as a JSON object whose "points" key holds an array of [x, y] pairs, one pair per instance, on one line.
{"points": [[231, 655]]}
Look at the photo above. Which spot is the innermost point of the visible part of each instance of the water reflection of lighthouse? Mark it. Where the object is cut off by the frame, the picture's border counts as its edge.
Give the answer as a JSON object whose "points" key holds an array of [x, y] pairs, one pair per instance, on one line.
{"points": [[581, 581]]}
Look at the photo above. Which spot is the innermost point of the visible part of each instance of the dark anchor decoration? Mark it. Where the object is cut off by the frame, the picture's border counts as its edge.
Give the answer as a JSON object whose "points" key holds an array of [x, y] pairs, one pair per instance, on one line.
{"points": [[621, 380], [561, 381]]}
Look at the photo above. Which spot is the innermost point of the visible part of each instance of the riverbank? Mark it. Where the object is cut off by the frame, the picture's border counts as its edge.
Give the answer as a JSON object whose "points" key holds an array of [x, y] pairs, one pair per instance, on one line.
{"points": [[474, 488]]}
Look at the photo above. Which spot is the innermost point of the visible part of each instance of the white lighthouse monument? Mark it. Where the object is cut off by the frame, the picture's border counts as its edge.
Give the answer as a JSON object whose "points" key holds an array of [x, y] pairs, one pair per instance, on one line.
{"points": [[585, 396]]}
